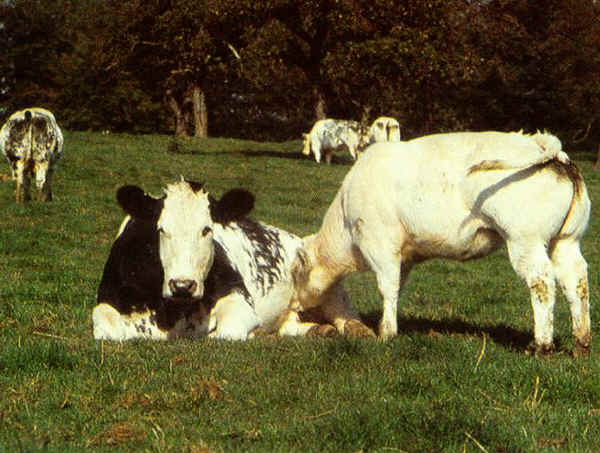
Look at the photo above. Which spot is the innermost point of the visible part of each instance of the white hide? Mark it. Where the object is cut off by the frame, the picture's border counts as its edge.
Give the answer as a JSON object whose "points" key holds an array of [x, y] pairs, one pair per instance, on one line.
{"points": [[458, 196]]}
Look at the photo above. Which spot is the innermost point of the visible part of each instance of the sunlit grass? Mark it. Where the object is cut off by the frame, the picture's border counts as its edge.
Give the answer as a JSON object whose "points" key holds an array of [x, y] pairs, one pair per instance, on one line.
{"points": [[455, 379]]}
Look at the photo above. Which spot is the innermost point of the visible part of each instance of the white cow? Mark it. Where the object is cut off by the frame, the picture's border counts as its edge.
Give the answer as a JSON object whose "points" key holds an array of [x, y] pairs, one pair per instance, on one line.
{"points": [[329, 135], [458, 196], [384, 129], [187, 265], [32, 143]]}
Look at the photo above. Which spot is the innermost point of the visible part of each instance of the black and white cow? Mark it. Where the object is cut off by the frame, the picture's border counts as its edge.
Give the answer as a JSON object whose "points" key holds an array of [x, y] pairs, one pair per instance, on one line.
{"points": [[187, 265], [330, 135], [32, 143]]}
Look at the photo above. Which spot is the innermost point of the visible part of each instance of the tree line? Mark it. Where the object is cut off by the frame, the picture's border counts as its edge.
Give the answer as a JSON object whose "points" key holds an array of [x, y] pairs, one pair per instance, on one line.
{"points": [[267, 69]]}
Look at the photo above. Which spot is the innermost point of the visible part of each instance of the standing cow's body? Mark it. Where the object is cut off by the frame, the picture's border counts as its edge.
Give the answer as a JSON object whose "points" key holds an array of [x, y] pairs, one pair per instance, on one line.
{"points": [[330, 135], [32, 143], [458, 196], [188, 265]]}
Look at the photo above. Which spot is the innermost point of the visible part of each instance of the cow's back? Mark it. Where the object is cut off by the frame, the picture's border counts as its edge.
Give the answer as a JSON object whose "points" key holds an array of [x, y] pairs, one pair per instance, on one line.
{"points": [[426, 186]]}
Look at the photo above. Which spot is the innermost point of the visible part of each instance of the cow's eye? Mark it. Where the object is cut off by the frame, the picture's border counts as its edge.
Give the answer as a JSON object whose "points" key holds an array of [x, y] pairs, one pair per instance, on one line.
{"points": [[206, 230]]}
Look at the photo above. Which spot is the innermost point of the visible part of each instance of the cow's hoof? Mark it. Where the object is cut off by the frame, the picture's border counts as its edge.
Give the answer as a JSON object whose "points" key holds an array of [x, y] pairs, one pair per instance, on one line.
{"points": [[356, 329], [322, 330], [582, 348], [541, 350]]}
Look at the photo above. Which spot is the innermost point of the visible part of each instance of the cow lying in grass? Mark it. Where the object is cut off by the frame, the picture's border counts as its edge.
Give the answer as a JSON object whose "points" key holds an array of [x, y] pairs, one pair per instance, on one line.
{"points": [[458, 196], [32, 143], [187, 265]]}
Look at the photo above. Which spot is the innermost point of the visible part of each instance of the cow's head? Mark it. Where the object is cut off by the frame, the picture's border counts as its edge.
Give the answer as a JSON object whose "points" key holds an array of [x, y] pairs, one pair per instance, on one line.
{"points": [[306, 144], [184, 219]]}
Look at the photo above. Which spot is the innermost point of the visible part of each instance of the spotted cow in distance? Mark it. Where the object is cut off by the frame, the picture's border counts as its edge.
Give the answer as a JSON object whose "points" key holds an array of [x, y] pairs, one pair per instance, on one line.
{"points": [[330, 135], [32, 143], [188, 265]]}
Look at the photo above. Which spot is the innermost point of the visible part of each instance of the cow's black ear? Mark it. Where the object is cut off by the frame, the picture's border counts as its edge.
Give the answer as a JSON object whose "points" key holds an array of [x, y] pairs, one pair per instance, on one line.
{"points": [[137, 204], [234, 205], [195, 186]]}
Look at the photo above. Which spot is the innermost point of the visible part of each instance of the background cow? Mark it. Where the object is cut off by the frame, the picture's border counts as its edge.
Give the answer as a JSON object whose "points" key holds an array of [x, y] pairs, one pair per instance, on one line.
{"points": [[384, 129], [459, 196], [32, 143], [189, 265], [329, 135]]}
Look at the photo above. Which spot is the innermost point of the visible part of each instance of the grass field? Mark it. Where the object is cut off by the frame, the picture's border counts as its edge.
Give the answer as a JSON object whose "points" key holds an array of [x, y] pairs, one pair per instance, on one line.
{"points": [[456, 379]]}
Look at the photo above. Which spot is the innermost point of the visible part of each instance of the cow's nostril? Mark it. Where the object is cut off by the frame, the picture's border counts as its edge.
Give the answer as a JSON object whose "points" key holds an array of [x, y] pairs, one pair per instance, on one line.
{"points": [[182, 287]]}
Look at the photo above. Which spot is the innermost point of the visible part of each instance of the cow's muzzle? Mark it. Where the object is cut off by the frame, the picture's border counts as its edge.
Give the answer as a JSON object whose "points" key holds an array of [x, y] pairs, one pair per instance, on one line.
{"points": [[182, 287]]}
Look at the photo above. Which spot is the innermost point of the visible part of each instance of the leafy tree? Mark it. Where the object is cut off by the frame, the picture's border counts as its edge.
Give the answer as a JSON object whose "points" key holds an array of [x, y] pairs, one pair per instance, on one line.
{"points": [[32, 42]]}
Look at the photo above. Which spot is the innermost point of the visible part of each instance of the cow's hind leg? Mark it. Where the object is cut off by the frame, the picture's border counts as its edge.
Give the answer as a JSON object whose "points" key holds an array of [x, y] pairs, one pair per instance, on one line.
{"points": [[23, 177], [571, 272], [43, 180], [531, 262]]}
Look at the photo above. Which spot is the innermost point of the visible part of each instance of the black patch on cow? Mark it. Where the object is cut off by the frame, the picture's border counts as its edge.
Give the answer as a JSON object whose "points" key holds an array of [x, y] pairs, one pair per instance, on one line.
{"points": [[195, 186], [265, 252], [133, 278], [138, 204], [222, 279], [233, 206]]}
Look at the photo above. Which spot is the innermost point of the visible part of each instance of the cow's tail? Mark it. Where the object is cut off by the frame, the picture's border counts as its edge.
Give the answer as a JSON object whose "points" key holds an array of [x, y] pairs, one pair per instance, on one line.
{"points": [[550, 149], [551, 155], [578, 215]]}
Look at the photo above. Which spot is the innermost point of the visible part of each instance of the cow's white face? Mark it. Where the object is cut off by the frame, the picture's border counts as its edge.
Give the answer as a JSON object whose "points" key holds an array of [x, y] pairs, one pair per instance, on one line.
{"points": [[186, 249], [181, 225]]}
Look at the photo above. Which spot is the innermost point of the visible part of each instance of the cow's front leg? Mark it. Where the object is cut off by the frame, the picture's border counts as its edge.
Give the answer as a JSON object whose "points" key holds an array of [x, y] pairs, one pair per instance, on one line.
{"points": [[290, 324], [383, 259], [232, 318], [337, 310], [109, 324]]}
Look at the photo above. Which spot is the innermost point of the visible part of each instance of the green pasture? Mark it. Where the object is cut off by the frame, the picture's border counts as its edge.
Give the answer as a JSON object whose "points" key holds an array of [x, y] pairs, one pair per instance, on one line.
{"points": [[457, 378]]}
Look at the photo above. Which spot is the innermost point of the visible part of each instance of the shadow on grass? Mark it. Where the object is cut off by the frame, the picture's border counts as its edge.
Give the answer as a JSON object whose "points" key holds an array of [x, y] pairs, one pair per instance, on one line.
{"points": [[501, 334]]}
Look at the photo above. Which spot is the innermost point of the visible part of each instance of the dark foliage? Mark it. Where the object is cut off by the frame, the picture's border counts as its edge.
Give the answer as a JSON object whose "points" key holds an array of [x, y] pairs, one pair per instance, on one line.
{"points": [[267, 69]]}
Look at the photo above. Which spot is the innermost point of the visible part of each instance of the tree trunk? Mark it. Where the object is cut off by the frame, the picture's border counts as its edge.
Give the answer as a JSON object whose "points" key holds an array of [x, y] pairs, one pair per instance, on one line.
{"points": [[320, 104], [597, 164], [200, 113], [178, 113]]}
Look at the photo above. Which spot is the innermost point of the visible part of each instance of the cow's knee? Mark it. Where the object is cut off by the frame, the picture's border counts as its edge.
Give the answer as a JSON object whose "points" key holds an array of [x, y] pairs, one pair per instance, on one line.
{"points": [[355, 328]]}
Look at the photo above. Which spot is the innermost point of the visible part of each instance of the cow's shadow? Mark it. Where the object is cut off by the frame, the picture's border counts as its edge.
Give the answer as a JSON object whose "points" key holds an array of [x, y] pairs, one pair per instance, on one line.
{"points": [[502, 334], [336, 160]]}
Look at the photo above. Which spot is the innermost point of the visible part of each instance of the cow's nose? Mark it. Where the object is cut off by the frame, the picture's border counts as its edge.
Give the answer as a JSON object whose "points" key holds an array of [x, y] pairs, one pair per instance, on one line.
{"points": [[182, 287]]}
